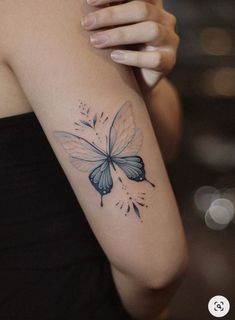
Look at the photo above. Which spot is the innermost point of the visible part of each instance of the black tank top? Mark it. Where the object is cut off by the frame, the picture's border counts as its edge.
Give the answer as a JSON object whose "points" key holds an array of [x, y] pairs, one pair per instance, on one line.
{"points": [[51, 265]]}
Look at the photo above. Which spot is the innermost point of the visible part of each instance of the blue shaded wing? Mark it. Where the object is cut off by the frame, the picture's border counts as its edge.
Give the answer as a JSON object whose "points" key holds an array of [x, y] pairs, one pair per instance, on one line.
{"points": [[132, 166], [101, 178]]}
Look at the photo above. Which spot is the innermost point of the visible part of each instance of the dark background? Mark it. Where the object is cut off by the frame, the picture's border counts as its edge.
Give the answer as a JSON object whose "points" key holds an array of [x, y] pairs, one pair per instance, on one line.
{"points": [[205, 168]]}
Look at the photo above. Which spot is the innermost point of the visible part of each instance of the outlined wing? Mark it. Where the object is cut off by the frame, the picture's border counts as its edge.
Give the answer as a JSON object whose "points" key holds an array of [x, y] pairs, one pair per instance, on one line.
{"points": [[132, 166], [122, 130], [84, 165], [83, 155], [133, 146]]}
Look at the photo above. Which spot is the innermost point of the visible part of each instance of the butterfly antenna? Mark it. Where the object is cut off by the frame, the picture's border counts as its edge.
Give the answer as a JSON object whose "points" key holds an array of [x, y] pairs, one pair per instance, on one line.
{"points": [[152, 184], [107, 144], [93, 143]]}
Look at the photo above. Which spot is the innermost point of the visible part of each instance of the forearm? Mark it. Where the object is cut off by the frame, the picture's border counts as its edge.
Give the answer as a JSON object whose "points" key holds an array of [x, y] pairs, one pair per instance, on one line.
{"points": [[164, 108], [144, 303]]}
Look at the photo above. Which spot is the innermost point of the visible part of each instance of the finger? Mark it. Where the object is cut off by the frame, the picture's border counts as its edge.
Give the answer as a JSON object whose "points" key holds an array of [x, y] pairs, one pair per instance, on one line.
{"points": [[130, 12], [143, 32], [169, 20], [160, 60]]}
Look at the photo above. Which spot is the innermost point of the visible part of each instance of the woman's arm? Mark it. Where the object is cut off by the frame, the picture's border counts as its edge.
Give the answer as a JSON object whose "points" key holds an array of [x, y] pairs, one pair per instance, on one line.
{"points": [[50, 55], [143, 302]]}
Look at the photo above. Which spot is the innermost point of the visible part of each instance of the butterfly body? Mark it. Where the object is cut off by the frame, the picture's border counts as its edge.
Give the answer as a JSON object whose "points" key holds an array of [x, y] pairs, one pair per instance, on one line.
{"points": [[111, 161], [122, 145]]}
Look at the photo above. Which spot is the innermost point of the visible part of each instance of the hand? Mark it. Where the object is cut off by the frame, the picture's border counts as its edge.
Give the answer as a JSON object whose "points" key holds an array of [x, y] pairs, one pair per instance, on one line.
{"points": [[136, 22]]}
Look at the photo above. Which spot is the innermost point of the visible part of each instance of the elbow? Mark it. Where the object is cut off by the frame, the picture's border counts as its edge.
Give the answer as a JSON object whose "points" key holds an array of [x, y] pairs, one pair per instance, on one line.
{"points": [[171, 269]]}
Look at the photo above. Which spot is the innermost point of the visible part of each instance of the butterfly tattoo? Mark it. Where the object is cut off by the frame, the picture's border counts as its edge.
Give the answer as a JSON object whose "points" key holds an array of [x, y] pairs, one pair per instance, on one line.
{"points": [[122, 145]]}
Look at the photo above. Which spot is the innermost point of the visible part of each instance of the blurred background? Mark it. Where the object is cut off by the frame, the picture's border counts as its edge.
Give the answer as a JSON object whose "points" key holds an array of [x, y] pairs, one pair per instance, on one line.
{"points": [[203, 176]]}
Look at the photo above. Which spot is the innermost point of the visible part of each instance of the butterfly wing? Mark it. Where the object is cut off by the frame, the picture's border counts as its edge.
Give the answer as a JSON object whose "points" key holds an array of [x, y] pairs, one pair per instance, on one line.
{"points": [[133, 146], [88, 158], [101, 178], [83, 155], [123, 134], [132, 166], [125, 141]]}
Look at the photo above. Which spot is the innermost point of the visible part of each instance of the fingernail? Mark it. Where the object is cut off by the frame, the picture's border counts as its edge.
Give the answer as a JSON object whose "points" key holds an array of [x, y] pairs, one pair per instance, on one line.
{"points": [[118, 55], [92, 2], [98, 39], [88, 21]]}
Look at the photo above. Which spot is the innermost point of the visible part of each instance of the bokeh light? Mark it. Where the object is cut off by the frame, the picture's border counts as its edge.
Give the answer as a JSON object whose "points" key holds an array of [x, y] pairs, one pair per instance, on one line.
{"points": [[218, 82], [204, 196], [227, 204], [216, 41], [217, 210], [214, 151], [217, 218]]}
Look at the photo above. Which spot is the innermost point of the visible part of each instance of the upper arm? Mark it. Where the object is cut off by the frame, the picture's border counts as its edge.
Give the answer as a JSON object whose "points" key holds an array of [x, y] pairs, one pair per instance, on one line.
{"points": [[57, 69]]}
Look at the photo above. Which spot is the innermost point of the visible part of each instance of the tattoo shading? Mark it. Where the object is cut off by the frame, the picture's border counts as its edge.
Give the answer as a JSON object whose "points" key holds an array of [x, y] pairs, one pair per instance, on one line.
{"points": [[123, 143]]}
